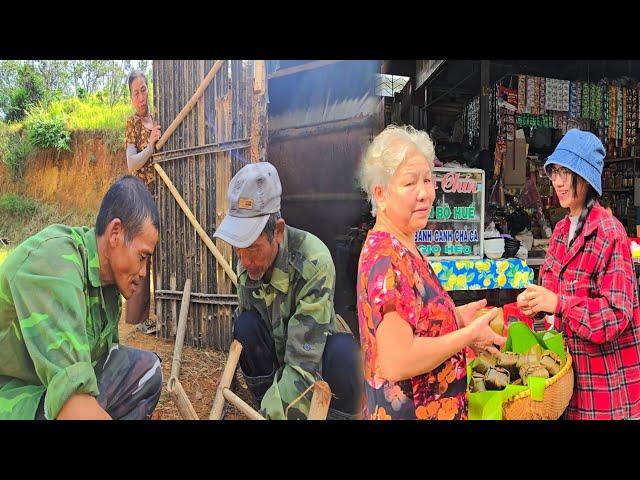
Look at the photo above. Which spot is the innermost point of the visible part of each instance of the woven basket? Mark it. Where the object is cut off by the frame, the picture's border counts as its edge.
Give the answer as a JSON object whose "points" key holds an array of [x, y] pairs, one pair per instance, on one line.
{"points": [[557, 394]]}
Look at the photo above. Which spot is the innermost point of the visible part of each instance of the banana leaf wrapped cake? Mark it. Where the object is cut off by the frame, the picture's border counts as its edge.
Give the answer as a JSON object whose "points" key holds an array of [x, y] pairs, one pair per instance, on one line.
{"points": [[532, 370], [552, 362], [496, 378]]}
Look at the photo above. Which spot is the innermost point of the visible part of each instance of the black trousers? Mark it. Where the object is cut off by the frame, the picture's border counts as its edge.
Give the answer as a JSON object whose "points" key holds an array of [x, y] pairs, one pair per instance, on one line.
{"points": [[341, 364]]}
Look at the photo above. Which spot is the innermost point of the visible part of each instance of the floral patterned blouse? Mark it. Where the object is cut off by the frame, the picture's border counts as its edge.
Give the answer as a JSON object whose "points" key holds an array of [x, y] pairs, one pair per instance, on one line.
{"points": [[388, 273], [137, 134]]}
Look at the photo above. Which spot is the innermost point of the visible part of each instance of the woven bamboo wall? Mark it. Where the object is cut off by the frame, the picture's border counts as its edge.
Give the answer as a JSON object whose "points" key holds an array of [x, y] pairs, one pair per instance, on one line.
{"points": [[209, 146]]}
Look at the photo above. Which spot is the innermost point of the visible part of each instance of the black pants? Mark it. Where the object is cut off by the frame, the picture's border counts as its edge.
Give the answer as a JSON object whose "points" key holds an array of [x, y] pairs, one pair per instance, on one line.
{"points": [[341, 364]]}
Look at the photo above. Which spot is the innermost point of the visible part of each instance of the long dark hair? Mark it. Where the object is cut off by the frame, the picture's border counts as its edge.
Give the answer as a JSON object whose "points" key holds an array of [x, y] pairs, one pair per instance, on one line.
{"points": [[589, 201]]}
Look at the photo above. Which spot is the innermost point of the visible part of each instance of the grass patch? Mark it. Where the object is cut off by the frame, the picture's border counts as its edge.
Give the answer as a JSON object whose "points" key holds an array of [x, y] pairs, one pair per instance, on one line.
{"points": [[21, 217]]}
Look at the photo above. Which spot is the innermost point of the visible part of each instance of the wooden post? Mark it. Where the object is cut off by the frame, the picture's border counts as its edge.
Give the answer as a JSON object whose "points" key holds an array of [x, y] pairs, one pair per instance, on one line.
{"points": [[225, 380], [173, 283], [205, 238], [259, 114], [182, 326], [179, 396], [320, 401], [242, 405], [190, 104]]}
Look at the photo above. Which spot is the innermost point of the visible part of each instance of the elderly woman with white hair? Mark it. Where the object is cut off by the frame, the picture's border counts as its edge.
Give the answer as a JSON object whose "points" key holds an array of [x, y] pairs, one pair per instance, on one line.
{"points": [[412, 335]]}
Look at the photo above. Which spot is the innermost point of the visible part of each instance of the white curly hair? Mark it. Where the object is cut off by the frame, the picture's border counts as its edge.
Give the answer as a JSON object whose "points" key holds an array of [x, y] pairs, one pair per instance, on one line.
{"points": [[386, 152]]}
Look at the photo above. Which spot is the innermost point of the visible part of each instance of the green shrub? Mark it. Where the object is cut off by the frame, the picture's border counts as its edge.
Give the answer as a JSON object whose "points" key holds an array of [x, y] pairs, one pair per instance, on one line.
{"points": [[17, 205], [14, 151], [48, 132]]}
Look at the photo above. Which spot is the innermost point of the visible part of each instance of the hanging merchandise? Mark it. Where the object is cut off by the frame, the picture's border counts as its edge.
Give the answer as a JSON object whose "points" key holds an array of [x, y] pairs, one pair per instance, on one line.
{"points": [[619, 114], [612, 121], [522, 93], [543, 95], [550, 94], [564, 95], [585, 100], [603, 122], [625, 107], [499, 154], [573, 97], [535, 107], [530, 95], [596, 101], [632, 116]]}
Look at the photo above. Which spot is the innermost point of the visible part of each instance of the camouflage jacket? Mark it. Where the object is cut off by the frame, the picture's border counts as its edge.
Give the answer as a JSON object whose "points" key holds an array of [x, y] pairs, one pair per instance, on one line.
{"points": [[297, 304], [55, 321]]}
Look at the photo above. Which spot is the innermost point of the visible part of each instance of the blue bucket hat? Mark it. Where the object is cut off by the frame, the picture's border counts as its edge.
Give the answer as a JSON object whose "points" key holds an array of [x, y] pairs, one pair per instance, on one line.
{"points": [[582, 153]]}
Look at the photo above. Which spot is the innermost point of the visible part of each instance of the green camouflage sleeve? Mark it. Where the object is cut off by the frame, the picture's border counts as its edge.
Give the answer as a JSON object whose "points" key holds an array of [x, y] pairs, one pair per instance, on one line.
{"points": [[48, 293], [306, 337]]}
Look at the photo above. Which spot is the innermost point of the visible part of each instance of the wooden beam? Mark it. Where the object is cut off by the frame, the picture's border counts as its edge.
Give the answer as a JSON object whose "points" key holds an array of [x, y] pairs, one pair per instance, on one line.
{"points": [[179, 396], [190, 104], [182, 326], [243, 406], [259, 120], [206, 298], [302, 68], [320, 401], [238, 144], [225, 380], [201, 233]]}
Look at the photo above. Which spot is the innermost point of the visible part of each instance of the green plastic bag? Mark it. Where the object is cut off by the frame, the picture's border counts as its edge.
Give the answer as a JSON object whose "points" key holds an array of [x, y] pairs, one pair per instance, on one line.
{"points": [[488, 405]]}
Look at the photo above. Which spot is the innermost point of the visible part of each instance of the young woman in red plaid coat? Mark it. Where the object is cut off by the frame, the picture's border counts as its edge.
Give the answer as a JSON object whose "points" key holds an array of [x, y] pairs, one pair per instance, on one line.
{"points": [[588, 284]]}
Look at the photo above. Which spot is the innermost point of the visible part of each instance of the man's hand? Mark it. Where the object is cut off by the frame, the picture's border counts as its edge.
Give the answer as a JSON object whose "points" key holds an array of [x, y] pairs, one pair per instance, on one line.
{"points": [[466, 314], [82, 407]]}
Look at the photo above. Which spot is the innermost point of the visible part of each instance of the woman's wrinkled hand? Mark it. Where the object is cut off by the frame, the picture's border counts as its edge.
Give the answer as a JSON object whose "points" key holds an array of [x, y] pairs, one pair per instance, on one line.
{"points": [[155, 135], [468, 312], [483, 338]]}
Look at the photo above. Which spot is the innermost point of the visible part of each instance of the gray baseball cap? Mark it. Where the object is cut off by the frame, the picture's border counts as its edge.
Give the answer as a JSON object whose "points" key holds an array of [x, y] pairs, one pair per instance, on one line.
{"points": [[254, 194]]}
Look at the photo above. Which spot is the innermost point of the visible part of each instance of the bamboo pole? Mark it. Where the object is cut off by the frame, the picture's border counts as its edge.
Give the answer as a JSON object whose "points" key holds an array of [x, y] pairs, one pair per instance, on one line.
{"points": [[182, 326], [241, 404], [190, 104], [320, 401], [179, 396], [225, 380], [203, 235]]}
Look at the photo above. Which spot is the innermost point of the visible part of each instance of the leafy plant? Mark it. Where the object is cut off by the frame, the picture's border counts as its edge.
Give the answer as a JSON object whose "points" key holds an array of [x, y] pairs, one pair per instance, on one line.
{"points": [[49, 132], [17, 205]]}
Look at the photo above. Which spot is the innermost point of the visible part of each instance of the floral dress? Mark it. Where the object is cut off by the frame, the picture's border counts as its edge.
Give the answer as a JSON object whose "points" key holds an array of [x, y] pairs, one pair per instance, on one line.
{"points": [[388, 273], [137, 134]]}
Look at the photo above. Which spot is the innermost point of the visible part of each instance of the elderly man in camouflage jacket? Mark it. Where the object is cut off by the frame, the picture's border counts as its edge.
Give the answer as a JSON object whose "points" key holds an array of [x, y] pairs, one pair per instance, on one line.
{"points": [[285, 319], [59, 311]]}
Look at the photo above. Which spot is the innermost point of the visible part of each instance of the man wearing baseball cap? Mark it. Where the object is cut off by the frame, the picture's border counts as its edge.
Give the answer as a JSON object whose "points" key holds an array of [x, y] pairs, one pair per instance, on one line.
{"points": [[285, 318]]}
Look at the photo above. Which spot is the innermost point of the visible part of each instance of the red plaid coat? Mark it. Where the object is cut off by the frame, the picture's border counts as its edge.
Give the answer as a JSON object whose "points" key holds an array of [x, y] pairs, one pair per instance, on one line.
{"points": [[599, 314]]}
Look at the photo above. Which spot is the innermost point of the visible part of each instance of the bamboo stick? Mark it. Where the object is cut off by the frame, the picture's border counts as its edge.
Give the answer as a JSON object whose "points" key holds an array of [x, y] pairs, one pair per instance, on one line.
{"points": [[203, 235], [182, 326], [225, 380], [320, 401], [190, 104], [241, 405], [179, 397]]}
